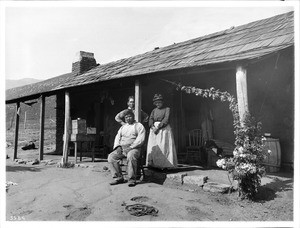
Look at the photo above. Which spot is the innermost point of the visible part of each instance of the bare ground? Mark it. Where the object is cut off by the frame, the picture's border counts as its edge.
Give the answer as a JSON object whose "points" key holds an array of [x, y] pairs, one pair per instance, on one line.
{"points": [[48, 193]]}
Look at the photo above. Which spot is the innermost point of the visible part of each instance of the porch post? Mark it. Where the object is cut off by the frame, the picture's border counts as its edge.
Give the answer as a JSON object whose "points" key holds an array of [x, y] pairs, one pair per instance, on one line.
{"points": [[16, 130], [67, 127], [241, 90], [138, 101], [42, 124]]}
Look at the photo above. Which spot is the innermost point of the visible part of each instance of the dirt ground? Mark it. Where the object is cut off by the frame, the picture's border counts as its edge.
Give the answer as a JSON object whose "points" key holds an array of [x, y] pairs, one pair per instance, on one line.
{"points": [[48, 193]]}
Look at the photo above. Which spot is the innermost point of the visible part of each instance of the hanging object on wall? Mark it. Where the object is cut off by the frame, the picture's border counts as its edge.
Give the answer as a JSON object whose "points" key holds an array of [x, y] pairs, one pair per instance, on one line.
{"points": [[105, 96]]}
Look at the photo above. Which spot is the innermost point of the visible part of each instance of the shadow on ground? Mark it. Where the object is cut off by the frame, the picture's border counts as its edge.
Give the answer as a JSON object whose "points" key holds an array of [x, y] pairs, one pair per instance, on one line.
{"points": [[268, 191], [22, 169], [180, 168]]}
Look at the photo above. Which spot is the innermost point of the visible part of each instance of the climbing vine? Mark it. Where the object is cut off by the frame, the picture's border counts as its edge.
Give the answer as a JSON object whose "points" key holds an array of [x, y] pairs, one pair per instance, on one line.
{"points": [[246, 164]]}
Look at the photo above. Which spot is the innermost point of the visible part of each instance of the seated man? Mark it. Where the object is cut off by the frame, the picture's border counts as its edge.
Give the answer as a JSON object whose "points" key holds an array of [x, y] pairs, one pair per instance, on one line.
{"points": [[128, 142]]}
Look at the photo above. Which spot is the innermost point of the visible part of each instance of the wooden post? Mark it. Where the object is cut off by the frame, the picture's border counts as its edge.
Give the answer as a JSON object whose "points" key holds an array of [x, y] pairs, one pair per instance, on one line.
{"points": [[182, 125], [42, 127], [75, 151], [241, 90], [17, 130], [25, 119], [12, 121], [138, 101], [67, 127]]}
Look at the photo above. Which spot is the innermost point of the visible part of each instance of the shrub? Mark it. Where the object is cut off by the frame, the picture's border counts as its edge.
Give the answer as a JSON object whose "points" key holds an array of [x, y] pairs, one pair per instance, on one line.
{"points": [[246, 165]]}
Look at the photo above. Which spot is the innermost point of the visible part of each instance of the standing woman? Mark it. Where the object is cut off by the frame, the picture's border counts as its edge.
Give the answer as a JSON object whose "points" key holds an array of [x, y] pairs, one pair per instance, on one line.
{"points": [[161, 151]]}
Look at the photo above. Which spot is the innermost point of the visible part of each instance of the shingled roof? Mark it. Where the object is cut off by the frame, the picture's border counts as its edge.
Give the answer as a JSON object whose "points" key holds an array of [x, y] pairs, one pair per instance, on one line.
{"points": [[244, 42], [37, 88]]}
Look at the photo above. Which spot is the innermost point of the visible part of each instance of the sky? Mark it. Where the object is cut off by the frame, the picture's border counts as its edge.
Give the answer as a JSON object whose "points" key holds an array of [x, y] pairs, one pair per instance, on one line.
{"points": [[41, 42]]}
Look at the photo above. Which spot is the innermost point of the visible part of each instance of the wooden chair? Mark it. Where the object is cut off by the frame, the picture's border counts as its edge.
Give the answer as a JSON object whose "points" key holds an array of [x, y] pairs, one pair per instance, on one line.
{"points": [[227, 151], [140, 168], [227, 147], [194, 147]]}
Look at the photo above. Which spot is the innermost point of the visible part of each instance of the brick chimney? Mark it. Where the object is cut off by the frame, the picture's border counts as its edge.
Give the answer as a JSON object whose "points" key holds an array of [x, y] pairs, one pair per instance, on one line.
{"points": [[83, 61]]}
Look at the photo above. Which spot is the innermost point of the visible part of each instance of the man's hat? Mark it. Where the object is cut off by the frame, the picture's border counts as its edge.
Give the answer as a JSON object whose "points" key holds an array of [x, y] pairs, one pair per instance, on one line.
{"points": [[157, 97]]}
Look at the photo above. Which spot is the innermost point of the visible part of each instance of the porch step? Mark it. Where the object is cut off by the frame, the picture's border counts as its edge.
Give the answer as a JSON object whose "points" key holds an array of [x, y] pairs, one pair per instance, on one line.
{"points": [[198, 180], [216, 187], [186, 179]]}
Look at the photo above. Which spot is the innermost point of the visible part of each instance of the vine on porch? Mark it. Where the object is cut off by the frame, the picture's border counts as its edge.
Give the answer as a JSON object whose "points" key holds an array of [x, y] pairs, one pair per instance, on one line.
{"points": [[246, 165]]}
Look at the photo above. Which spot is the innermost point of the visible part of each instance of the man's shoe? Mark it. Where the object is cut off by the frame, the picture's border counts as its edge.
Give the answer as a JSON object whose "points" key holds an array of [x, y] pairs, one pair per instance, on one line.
{"points": [[117, 181], [132, 183]]}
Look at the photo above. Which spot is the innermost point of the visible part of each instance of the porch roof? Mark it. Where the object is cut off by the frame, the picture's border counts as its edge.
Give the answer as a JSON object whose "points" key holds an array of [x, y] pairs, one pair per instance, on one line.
{"points": [[243, 42]]}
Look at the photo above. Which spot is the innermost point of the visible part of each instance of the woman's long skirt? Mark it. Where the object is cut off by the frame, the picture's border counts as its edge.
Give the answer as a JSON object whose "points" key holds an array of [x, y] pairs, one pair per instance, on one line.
{"points": [[161, 151]]}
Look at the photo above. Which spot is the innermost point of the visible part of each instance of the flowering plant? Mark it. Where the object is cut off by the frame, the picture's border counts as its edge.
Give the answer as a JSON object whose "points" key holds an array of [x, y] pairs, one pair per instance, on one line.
{"points": [[246, 164], [248, 157]]}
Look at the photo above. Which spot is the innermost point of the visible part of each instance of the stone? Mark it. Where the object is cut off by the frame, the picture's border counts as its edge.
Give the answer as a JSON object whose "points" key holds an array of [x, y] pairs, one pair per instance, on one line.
{"points": [[177, 177], [9, 144], [66, 165], [21, 162], [51, 163], [46, 161], [35, 162], [29, 146], [216, 187], [195, 179]]}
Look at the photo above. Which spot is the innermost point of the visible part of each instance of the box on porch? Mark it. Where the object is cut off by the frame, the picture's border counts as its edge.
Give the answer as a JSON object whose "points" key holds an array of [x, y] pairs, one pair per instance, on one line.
{"points": [[79, 126]]}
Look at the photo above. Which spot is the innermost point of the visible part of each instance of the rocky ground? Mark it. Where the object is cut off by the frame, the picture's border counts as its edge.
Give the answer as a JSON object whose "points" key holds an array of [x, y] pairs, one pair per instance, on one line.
{"points": [[44, 192]]}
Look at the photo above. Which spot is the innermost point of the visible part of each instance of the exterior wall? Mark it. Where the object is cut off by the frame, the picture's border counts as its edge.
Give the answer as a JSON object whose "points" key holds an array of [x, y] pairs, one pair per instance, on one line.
{"points": [[60, 122], [171, 100], [188, 110], [98, 106], [271, 99], [197, 107], [270, 94]]}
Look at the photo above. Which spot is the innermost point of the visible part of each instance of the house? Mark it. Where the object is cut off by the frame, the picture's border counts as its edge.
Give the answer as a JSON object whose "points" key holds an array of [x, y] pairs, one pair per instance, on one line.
{"points": [[254, 62]]}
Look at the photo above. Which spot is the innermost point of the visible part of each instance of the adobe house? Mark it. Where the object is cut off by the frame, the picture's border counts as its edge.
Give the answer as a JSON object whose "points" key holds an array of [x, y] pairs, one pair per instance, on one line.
{"points": [[254, 62]]}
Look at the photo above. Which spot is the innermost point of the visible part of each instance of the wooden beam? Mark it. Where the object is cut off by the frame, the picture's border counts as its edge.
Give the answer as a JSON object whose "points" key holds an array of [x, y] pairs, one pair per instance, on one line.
{"points": [[182, 124], [16, 130], [42, 126], [138, 101], [241, 90], [67, 127], [25, 119]]}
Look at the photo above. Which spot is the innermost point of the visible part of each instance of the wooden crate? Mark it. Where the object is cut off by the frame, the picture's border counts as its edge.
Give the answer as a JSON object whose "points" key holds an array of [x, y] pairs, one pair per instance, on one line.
{"points": [[82, 138], [91, 130], [79, 126]]}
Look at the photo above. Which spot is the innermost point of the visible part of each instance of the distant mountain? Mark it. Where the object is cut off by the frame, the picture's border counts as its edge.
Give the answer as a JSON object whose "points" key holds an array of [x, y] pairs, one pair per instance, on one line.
{"points": [[21, 82]]}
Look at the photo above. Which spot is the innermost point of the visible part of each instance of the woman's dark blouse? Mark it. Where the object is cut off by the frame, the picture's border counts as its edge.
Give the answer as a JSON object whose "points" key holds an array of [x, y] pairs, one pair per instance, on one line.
{"points": [[160, 115]]}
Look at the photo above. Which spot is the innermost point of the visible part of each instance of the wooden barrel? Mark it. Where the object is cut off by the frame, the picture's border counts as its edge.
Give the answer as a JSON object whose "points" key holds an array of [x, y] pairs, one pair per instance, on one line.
{"points": [[273, 160]]}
